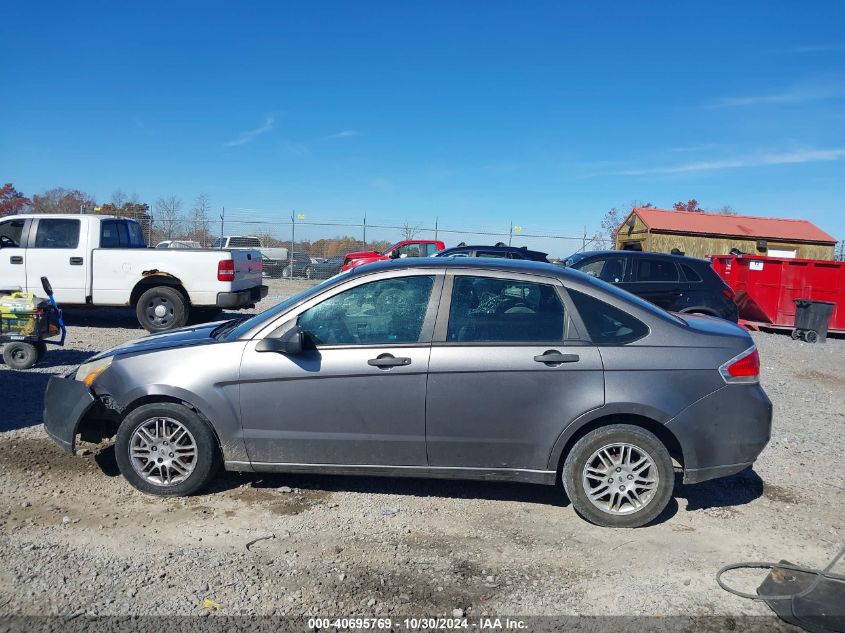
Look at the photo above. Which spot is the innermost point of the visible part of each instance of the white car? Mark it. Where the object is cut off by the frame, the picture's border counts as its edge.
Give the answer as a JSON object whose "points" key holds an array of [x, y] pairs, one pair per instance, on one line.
{"points": [[178, 244], [100, 260]]}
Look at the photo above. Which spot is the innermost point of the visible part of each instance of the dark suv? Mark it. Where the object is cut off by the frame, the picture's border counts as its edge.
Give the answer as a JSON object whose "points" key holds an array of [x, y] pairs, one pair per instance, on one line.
{"points": [[500, 250], [672, 282]]}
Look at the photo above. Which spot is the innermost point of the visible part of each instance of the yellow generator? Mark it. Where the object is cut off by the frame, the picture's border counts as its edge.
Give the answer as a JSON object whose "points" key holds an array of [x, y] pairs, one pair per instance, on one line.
{"points": [[26, 321]]}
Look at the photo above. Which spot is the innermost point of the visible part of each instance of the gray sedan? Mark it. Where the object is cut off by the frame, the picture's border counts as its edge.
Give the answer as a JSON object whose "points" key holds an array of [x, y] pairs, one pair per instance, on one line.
{"points": [[483, 369]]}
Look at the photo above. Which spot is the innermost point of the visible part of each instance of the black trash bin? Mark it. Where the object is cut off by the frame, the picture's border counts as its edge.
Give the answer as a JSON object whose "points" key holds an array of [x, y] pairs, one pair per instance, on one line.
{"points": [[812, 319]]}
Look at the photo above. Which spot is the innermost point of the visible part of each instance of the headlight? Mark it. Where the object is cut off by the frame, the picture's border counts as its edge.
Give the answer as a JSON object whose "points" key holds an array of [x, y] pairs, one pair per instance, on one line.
{"points": [[88, 372]]}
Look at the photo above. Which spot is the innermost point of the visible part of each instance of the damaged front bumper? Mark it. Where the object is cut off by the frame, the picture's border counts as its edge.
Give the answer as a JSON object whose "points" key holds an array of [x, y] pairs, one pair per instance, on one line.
{"points": [[66, 402]]}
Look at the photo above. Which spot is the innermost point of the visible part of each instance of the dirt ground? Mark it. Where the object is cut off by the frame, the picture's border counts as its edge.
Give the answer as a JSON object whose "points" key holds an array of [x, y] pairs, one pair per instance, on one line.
{"points": [[76, 539]]}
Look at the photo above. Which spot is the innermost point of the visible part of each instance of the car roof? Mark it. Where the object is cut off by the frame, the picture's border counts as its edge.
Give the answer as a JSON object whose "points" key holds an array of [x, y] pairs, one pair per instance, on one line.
{"points": [[61, 216], [584, 254], [480, 263]]}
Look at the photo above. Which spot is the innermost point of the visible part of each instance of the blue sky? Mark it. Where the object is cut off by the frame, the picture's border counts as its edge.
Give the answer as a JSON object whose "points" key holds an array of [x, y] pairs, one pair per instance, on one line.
{"points": [[479, 113]]}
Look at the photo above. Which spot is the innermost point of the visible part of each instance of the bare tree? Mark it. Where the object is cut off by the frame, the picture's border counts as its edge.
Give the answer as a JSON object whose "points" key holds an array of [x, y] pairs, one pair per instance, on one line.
{"points": [[118, 198], [725, 210], [168, 219], [409, 231], [198, 222]]}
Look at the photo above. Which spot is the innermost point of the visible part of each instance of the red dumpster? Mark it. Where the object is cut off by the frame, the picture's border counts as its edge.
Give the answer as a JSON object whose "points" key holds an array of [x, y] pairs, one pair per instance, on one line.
{"points": [[766, 288]]}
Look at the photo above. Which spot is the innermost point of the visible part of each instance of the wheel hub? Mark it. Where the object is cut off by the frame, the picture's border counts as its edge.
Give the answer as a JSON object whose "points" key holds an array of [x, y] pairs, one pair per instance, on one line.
{"points": [[160, 311], [163, 451], [620, 478]]}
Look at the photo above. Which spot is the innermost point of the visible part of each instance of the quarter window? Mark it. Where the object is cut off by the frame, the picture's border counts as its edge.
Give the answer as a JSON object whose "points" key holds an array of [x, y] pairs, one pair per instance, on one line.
{"points": [[57, 234], [495, 254], [689, 273], [486, 309], [606, 324], [652, 270], [384, 312]]}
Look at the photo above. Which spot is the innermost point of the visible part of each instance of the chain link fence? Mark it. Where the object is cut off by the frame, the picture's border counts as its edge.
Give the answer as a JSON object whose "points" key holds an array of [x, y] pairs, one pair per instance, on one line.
{"points": [[303, 238]]}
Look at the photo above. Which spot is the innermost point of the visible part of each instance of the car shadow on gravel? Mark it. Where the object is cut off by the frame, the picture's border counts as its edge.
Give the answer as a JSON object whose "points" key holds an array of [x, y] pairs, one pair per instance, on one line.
{"points": [[449, 488], [726, 492], [58, 357]]}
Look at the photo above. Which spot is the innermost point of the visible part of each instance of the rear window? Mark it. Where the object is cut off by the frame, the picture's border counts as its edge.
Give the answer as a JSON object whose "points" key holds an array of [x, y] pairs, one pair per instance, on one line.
{"points": [[121, 234], [606, 324], [656, 270], [244, 242]]}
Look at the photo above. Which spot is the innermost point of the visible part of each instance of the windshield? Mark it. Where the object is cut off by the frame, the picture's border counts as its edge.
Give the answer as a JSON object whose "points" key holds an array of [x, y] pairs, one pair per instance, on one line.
{"points": [[390, 248], [270, 313], [573, 259]]}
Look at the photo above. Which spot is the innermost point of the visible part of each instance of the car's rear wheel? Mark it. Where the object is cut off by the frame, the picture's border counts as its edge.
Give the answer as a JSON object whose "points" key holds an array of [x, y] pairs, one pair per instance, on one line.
{"points": [[165, 449], [162, 308], [618, 476]]}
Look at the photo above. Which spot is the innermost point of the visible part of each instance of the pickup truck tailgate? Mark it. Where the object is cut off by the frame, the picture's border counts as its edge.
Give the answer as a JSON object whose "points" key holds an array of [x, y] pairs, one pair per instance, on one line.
{"points": [[248, 268]]}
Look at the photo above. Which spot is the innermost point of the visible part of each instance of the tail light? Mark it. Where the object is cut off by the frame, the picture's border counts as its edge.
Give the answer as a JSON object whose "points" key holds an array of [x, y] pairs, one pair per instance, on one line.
{"points": [[744, 368], [729, 293], [226, 270]]}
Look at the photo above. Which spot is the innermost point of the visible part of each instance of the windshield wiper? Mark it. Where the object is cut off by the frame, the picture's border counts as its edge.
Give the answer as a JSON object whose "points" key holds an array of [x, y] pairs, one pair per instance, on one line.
{"points": [[228, 326]]}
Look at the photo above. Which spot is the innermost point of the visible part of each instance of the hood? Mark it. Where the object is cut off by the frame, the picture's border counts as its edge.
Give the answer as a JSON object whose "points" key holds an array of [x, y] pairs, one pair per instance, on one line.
{"points": [[362, 255], [183, 337]]}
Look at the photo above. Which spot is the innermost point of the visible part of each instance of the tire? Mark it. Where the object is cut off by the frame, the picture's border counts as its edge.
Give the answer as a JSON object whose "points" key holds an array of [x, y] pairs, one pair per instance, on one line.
{"points": [[19, 355], [287, 272], [811, 336], [166, 417], [162, 308], [309, 274], [619, 511], [796, 335]]}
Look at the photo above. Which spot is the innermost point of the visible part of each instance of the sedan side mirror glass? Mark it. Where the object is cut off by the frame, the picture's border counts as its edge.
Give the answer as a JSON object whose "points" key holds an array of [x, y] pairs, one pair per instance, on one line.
{"points": [[291, 342]]}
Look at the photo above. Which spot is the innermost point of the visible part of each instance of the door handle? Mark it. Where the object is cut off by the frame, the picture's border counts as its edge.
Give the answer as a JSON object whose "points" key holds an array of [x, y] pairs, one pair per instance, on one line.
{"points": [[16, 259], [553, 357], [386, 361], [76, 261]]}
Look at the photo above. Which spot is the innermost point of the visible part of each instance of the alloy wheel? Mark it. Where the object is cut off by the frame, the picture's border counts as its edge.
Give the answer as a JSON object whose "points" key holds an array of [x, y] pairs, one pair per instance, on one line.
{"points": [[620, 478], [163, 451]]}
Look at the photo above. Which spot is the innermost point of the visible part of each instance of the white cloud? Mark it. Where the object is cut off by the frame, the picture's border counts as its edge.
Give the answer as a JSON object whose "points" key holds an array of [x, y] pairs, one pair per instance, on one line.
{"points": [[344, 134], [796, 95], [757, 160], [250, 135]]}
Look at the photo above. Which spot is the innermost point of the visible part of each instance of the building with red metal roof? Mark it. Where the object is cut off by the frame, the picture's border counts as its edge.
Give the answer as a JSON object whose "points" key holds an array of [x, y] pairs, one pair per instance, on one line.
{"points": [[702, 234]]}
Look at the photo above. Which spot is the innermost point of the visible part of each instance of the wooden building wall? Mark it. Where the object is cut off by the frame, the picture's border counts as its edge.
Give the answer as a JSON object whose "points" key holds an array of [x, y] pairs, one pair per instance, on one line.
{"points": [[703, 245]]}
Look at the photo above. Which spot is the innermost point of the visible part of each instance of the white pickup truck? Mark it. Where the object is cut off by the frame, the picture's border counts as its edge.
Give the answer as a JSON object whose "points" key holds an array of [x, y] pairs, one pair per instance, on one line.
{"points": [[101, 260]]}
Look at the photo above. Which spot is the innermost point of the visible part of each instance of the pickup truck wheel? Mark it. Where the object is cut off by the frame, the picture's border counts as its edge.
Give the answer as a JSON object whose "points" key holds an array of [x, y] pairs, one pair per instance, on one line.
{"points": [[165, 449], [619, 476], [162, 308], [18, 355], [309, 274]]}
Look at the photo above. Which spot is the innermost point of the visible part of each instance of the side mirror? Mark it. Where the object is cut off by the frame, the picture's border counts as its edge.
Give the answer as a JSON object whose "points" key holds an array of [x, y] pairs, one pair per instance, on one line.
{"points": [[46, 285], [395, 254], [291, 342]]}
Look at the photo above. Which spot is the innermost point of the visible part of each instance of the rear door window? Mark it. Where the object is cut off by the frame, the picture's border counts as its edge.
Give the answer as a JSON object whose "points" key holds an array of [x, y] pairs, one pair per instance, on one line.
{"points": [[609, 269], [487, 309], [606, 324], [656, 270], [57, 233], [496, 254]]}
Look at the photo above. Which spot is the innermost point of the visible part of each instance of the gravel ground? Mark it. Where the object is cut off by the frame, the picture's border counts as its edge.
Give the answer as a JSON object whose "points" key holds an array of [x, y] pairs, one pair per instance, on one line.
{"points": [[75, 538]]}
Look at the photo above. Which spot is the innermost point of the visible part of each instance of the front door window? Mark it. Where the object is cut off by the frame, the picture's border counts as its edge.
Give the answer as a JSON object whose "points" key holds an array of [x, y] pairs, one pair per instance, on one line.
{"points": [[385, 312]]}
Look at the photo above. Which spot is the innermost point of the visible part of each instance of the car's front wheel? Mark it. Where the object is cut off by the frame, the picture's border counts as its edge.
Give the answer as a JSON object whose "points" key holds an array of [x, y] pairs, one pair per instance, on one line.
{"points": [[619, 476], [165, 449]]}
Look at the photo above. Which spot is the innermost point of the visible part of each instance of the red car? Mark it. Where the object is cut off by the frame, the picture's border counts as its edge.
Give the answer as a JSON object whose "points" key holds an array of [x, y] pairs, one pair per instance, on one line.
{"points": [[405, 248]]}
